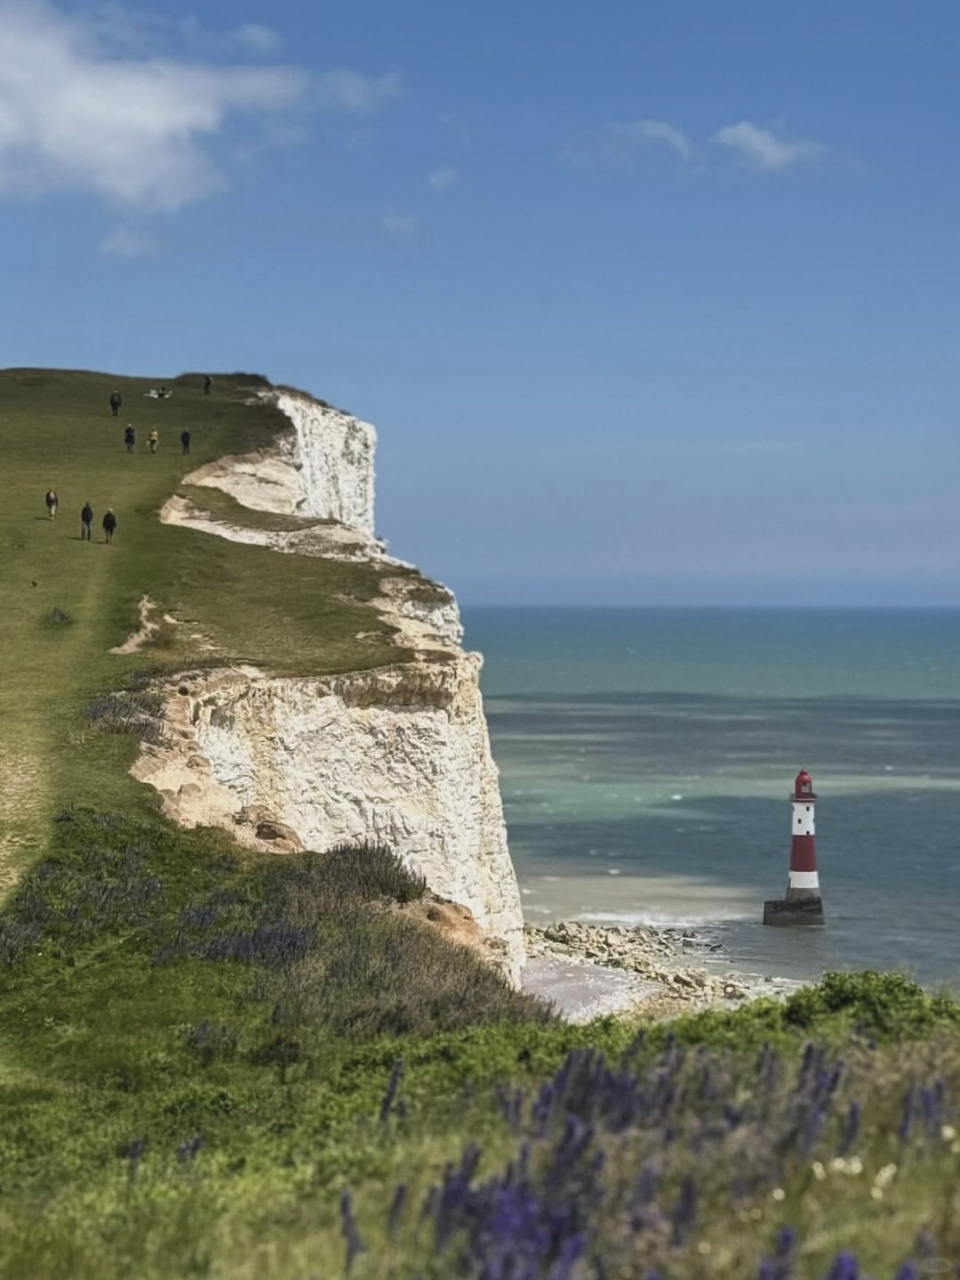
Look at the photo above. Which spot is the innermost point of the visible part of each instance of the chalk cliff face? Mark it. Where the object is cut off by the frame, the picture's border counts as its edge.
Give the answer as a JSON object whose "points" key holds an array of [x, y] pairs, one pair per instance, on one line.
{"points": [[398, 755], [335, 455], [323, 467]]}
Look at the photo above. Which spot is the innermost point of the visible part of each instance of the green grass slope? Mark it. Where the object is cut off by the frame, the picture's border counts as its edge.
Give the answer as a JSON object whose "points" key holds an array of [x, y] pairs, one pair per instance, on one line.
{"points": [[218, 1064], [66, 603]]}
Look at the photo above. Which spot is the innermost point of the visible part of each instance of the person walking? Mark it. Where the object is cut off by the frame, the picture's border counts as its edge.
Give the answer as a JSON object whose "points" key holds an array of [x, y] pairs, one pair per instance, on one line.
{"points": [[207, 384], [185, 441], [153, 439], [129, 437], [52, 502], [86, 520], [115, 403], [109, 524]]}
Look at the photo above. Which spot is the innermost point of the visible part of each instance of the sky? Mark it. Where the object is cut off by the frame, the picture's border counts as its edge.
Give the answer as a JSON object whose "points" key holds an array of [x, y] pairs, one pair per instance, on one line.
{"points": [[651, 301]]}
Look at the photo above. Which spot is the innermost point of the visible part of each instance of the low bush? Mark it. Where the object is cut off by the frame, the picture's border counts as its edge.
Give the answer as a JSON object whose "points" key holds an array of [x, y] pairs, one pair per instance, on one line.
{"points": [[134, 710]]}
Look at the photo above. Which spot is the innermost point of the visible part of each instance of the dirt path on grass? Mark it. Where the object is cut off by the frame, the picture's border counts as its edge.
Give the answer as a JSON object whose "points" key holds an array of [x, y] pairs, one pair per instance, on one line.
{"points": [[42, 670], [22, 813]]}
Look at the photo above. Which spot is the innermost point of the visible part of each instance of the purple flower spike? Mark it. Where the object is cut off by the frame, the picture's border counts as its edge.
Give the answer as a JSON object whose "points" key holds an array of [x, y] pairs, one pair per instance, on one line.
{"points": [[393, 1085], [684, 1211], [908, 1272], [851, 1128], [786, 1240], [396, 1209], [906, 1119], [845, 1267], [348, 1229]]}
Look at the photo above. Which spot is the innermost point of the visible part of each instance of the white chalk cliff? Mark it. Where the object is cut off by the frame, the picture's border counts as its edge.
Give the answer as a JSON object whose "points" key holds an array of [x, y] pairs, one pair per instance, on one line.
{"points": [[322, 467], [398, 754]]}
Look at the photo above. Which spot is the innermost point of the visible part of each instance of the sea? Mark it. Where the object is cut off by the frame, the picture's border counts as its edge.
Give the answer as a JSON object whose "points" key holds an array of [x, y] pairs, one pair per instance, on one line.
{"points": [[647, 757]]}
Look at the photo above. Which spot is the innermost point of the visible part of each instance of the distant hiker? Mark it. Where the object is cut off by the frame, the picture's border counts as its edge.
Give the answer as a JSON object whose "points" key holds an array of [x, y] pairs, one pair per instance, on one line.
{"points": [[129, 437], [207, 384], [51, 500], [109, 524], [86, 520], [153, 439], [115, 403], [162, 393], [185, 441]]}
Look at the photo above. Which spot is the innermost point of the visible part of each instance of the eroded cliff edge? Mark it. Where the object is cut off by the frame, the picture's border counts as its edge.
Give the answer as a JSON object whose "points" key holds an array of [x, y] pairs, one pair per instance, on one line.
{"points": [[398, 754]]}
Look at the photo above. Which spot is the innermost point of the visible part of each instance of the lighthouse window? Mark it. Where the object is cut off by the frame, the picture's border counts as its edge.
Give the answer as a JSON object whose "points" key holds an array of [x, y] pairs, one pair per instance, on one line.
{"points": [[808, 808]]}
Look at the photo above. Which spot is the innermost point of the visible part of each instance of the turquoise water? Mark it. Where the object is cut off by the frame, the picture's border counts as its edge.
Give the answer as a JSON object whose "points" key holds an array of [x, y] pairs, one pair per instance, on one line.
{"points": [[646, 758]]}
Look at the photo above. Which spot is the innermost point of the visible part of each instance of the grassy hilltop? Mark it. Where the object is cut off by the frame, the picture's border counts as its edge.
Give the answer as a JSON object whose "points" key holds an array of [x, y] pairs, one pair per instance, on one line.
{"points": [[66, 602], [227, 1065]]}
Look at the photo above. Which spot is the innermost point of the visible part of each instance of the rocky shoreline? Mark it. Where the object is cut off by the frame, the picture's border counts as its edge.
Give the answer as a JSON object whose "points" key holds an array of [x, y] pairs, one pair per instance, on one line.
{"points": [[661, 957]]}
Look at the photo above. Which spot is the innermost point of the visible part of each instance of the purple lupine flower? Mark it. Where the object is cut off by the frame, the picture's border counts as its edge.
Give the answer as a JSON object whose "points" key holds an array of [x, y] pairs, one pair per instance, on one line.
{"points": [[733, 1116], [785, 1242], [543, 1106], [134, 1155], [771, 1069], [393, 1084], [812, 1126], [397, 1205], [928, 1105], [780, 1266], [643, 1193], [845, 1267], [348, 1229], [851, 1128], [684, 1211], [706, 1084], [907, 1272], [809, 1049], [906, 1118], [187, 1150], [925, 1245], [570, 1254]]}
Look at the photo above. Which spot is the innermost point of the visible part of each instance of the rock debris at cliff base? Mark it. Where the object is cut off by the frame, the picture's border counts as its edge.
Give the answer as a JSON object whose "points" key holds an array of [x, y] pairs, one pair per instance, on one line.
{"points": [[656, 959]]}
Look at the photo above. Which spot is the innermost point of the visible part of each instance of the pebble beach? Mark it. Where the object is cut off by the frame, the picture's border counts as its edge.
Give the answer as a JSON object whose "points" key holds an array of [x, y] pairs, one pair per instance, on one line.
{"points": [[590, 971]]}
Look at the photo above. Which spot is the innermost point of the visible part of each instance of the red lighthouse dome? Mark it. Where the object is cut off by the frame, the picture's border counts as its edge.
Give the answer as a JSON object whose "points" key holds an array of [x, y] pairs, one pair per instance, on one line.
{"points": [[803, 787]]}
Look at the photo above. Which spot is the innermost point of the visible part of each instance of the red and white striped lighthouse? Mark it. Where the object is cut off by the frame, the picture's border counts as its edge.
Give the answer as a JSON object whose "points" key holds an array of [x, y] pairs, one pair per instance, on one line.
{"points": [[802, 904]]}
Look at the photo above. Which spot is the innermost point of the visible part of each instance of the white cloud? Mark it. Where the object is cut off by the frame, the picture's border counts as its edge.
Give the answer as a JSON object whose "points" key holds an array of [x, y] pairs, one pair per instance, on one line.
{"points": [[84, 106], [658, 131], [398, 226], [762, 147], [357, 94], [128, 242], [620, 143], [442, 179], [256, 38]]}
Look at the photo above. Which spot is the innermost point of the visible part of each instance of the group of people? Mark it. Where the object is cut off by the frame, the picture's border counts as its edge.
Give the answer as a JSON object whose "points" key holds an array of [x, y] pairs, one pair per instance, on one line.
{"points": [[109, 522], [153, 439], [155, 393]]}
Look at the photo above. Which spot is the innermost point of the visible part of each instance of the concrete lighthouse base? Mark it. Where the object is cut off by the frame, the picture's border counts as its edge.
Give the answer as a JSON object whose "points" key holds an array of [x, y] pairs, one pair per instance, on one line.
{"points": [[795, 911]]}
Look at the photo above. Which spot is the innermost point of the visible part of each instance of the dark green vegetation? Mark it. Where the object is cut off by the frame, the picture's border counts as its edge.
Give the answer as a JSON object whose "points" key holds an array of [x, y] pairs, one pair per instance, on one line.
{"points": [[216, 1064], [204, 1051]]}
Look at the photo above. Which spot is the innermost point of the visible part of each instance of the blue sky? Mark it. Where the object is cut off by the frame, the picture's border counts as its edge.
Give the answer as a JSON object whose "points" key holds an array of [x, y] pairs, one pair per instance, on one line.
{"points": [[650, 302]]}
